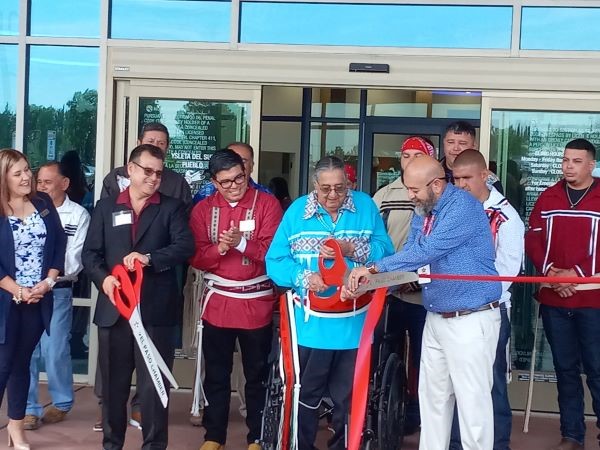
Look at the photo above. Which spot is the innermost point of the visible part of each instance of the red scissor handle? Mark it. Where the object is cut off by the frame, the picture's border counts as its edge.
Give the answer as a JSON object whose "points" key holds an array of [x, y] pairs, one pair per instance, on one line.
{"points": [[127, 297], [334, 275]]}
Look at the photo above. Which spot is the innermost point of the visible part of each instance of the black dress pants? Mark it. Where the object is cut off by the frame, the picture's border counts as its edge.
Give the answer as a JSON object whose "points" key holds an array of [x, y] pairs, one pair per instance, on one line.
{"points": [[24, 328], [324, 373], [119, 355], [218, 345]]}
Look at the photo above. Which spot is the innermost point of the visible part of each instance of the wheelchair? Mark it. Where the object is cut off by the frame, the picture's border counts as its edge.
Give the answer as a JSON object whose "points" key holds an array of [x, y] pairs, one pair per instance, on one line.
{"points": [[387, 399]]}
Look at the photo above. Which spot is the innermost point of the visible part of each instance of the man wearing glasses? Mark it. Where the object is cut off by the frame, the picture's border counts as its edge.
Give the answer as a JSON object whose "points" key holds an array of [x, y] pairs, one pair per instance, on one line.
{"points": [[246, 152], [172, 184], [327, 340], [139, 224], [450, 234], [233, 229]]}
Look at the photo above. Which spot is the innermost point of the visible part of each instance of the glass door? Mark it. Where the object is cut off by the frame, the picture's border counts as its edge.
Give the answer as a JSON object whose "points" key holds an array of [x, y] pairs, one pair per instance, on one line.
{"points": [[383, 138], [201, 119], [526, 137]]}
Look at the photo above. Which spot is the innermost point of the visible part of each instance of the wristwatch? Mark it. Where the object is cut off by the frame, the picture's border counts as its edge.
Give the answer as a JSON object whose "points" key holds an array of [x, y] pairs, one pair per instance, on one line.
{"points": [[371, 267], [147, 255], [50, 282]]}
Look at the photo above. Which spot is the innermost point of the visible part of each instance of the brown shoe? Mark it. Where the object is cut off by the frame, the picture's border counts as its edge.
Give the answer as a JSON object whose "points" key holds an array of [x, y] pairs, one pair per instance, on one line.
{"points": [[53, 415], [568, 444], [31, 422]]}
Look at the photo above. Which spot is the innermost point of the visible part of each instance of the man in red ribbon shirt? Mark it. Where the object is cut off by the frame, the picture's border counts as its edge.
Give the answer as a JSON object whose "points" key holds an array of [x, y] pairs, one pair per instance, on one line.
{"points": [[233, 229]]}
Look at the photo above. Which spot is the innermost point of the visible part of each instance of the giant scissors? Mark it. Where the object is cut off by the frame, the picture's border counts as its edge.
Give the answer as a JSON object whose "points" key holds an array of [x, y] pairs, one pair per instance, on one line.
{"points": [[127, 301]]}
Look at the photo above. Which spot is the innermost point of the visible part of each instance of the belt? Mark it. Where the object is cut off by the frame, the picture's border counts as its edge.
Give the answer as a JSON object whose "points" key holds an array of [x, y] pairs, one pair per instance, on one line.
{"points": [[465, 312], [63, 284]]}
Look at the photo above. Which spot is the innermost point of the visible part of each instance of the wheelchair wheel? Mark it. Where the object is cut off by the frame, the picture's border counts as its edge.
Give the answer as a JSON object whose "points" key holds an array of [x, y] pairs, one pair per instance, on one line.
{"points": [[269, 435], [392, 405]]}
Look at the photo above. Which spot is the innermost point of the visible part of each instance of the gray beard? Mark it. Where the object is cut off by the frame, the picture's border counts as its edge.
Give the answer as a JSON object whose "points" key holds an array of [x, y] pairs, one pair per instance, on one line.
{"points": [[424, 211]]}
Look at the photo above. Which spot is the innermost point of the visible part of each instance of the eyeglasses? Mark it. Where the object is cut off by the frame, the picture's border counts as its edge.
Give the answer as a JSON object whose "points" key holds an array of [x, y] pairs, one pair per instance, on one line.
{"points": [[417, 190], [149, 172], [226, 184], [436, 178], [339, 189]]}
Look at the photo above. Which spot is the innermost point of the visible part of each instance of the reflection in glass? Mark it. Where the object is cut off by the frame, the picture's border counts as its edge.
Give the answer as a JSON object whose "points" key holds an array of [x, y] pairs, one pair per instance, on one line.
{"points": [[334, 102], [9, 18], [62, 18], [434, 104], [80, 339], [334, 139], [8, 87], [437, 26], [551, 28], [197, 129], [280, 154], [386, 157], [61, 112], [171, 20], [282, 101], [528, 147]]}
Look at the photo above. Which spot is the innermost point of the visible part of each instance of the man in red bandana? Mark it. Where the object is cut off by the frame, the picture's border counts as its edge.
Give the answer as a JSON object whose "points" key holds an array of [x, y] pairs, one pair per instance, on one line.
{"points": [[406, 312]]}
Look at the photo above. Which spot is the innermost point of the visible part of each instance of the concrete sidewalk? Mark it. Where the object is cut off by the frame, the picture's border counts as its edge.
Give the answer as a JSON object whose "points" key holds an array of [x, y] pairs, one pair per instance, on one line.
{"points": [[75, 432]]}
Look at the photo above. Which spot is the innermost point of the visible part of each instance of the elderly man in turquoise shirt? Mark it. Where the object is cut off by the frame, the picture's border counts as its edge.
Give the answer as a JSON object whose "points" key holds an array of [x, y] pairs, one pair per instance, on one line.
{"points": [[450, 234], [327, 340]]}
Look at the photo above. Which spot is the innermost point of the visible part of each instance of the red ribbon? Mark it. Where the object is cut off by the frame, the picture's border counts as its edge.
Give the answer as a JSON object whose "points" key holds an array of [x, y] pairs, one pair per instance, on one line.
{"points": [[288, 368], [519, 279], [362, 370]]}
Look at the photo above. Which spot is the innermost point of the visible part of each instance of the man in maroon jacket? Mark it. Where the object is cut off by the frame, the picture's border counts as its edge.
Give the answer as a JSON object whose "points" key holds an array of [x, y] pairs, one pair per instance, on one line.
{"points": [[562, 240]]}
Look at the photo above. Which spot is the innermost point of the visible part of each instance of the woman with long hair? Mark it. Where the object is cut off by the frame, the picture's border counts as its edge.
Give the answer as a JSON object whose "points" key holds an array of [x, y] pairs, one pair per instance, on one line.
{"points": [[33, 252]]}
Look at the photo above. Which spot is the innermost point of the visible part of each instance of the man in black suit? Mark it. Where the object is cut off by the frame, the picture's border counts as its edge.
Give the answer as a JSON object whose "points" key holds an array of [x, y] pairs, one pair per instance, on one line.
{"points": [[144, 225]]}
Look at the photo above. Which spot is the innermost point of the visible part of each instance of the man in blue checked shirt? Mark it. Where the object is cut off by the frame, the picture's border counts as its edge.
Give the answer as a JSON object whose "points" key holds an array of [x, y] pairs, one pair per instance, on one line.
{"points": [[450, 234]]}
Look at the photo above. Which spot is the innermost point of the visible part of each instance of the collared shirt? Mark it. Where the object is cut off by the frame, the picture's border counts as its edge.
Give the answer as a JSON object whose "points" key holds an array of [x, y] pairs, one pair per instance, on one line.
{"points": [[75, 221], [509, 238], [294, 255], [459, 242], [207, 189], [125, 199]]}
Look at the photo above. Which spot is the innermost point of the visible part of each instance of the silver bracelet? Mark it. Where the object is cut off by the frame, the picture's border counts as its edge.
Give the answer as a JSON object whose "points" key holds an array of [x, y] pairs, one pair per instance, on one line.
{"points": [[19, 298]]}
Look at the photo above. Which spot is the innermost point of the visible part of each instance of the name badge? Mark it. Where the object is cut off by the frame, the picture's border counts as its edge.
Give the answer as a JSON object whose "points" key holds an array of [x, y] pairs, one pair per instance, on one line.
{"points": [[122, 218], [247, 225], [425, 270], [44, 213]]}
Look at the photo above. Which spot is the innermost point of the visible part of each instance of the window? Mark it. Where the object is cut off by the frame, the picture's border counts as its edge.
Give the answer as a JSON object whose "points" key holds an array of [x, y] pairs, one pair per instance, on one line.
{"points": [[61, 116], [9, 18], [440, 26], [65, 18], [528, 147], [197, 129], [560, 28], [171, 20], [8, 87]]}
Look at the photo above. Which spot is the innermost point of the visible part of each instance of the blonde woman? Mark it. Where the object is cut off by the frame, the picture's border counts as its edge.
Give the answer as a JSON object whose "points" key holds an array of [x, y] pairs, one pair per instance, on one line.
{"points": [[33, 251]]}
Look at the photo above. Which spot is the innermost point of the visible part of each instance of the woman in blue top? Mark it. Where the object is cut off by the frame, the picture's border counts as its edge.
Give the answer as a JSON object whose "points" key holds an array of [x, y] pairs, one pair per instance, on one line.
{"points": [[33, 244]]}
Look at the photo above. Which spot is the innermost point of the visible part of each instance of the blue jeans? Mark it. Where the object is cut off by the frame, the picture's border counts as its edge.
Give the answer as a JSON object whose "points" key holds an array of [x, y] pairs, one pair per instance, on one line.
{"points": [[56, 351], [502, 411], [574, 337]]}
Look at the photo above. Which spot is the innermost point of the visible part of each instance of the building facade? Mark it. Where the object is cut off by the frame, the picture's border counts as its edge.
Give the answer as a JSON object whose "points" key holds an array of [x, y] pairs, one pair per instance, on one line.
{"points": [[298, 80]]}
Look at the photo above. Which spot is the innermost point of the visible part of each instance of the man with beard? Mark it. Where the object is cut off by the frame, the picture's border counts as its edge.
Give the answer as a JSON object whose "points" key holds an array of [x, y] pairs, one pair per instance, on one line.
{"points": [[450, 234]]}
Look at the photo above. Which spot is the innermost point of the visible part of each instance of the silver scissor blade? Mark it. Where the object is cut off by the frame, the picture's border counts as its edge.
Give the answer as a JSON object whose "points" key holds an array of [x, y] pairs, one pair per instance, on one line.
{"points": [[149, 354], [162, 365], [386, 279]]}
